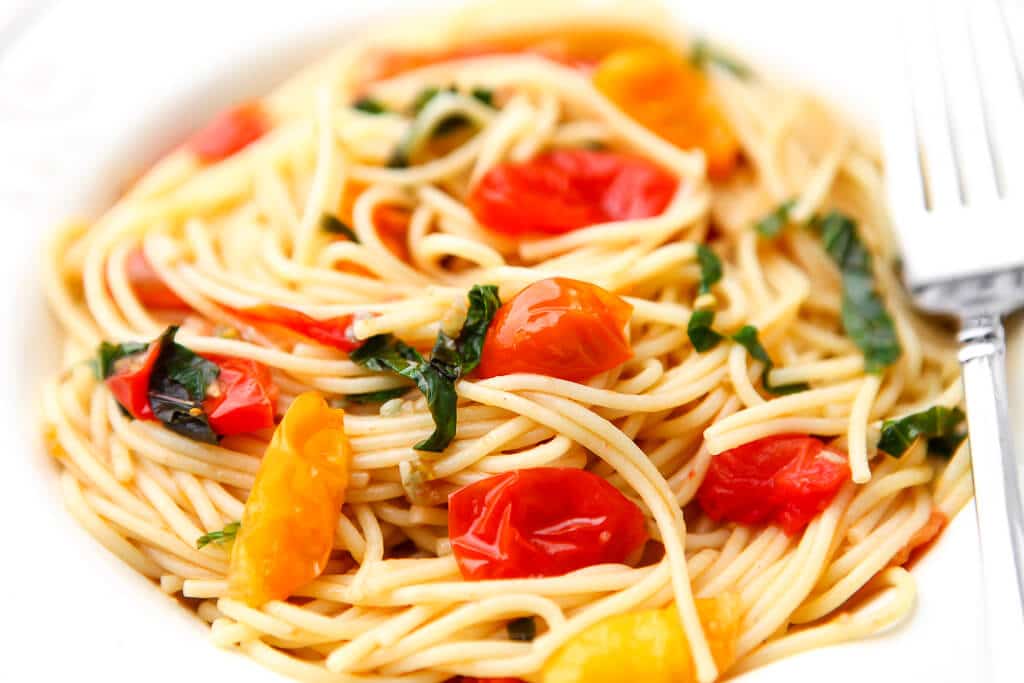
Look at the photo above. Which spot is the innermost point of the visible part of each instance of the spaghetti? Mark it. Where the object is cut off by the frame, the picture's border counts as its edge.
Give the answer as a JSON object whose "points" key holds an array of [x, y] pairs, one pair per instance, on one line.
{"points": [[347, 206]]}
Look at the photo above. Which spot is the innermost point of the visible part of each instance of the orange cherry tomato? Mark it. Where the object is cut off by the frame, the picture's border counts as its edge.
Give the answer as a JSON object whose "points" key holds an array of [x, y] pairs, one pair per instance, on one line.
{"points": [[147, 285], [544, 521], [564, 190], [334, 332], [558, 327], [786, 480], [392, 223], [243, 399], [229, 132], [287, 530], [660, 90]]}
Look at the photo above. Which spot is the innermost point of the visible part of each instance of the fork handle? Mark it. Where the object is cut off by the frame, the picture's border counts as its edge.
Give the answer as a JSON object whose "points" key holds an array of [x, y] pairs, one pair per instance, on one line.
{"points": [[997, 496]]}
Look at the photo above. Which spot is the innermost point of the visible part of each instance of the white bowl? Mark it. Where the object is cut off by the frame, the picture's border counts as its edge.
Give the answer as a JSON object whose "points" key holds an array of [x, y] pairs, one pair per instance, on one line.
{"points": [[94, 91]]}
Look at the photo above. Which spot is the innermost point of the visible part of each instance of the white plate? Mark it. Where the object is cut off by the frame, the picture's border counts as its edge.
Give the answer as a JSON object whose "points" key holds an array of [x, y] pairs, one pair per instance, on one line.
{"points": [[94, 91]]}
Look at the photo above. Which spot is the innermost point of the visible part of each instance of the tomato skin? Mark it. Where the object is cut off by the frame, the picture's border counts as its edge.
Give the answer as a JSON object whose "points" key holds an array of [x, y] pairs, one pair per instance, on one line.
{"points": [[130, 382], [563, 190], [146, 283], [545, 521], [229, 132], [560, 328], [245, 398], [334, 332], [785, 480], [471, 679]]}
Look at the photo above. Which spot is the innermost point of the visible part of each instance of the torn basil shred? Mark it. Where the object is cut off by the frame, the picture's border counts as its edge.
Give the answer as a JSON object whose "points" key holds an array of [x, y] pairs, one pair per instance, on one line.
{"points": [[226, 534], [334, 225], [747, 337], [699, 330], [523, 629], [704, 54], [772, 224], [710, 268], [368, 105], [108, 354], [177, 388], [942, 426]]}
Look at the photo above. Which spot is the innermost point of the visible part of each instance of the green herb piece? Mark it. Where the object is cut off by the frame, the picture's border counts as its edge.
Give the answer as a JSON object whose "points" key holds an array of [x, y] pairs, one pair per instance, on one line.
{"points": [[226, 534], [368, 105], [438, 112], [865, 319], [748, 339], [699, 330], [704, 55], [710, 268], [334, 225], [382, 396], [523, 629], [423, 98], [772, 224], [939, 424], [108, 354], [483, 95], [451, 359], [177, 388]]}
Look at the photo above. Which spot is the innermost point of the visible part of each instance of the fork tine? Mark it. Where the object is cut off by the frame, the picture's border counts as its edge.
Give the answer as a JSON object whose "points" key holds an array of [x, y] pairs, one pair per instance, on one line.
{"points": [[1001, 86]]}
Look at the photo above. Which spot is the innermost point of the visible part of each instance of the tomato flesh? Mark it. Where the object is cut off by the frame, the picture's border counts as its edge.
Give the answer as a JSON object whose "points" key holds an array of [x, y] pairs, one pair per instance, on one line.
{"points": [[244, 398], [334, 332], [567, 189], [785, 480], [229, 132], [541, 522], [130, 382], [147, 285], [560, 328]]}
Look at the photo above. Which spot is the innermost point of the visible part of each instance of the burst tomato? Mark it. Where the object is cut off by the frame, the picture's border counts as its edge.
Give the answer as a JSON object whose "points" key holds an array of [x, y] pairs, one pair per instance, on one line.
{"points": [[564, 190], [785, 480], [229, 132], [130, 382], [545, 521], [661, 91], [558, 327], [146, 283], [242, 399], [334, 332]]}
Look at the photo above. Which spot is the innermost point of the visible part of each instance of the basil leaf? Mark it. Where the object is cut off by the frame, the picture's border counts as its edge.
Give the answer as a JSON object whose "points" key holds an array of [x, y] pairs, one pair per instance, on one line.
{"points": [[864, 317], [483, 304], [193, 372], [368, 105], [772, 224], [699, 330], [226, 534], [939, 424], [710, 268], [483, 95], [523, 629], [334, 225], [178, 412], [108, 354], [748, 339], [704, 54], [424, 96], [177, 388], [381, 396]]}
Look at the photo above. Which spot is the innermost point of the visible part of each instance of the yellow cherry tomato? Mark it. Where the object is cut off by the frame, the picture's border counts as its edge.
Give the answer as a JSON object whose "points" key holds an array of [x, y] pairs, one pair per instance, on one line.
{"points": [[663, 92], [648, 646], [287, 530]]}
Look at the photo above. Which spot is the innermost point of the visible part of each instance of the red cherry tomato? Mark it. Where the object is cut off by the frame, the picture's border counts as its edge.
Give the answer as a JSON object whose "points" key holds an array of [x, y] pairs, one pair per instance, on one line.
{"points": [[541, 522], [243, 398], [147, 285], [471, 679], [568, 189], [558, 327], [130, 382], [229, 132], [785, 480], [334, 332]]}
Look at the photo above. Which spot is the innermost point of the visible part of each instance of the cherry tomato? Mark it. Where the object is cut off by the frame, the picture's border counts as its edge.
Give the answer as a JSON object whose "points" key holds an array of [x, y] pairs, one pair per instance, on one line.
{"points": [[660, 90], [243, 398], [130, 382], [147, 285], [785, 480], [334, 332], [560, 328], [567, 189], [229, 132], [471, 679], [545, 521], [392, 223], [291, 514]]}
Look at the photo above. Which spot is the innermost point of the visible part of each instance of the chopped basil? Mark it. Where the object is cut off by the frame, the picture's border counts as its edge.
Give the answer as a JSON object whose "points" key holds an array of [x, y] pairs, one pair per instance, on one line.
{"points": [[865, 319], [334, 225], [438, 112], [108, 354], [710, 268], [368, 105], [699, 330], [704, 54], [226, 534], [747, 337], [381, 396], [451, 359], [939, 424], [424, 96], [772, 224], [523, 629], [177, 388], [483, 95]]}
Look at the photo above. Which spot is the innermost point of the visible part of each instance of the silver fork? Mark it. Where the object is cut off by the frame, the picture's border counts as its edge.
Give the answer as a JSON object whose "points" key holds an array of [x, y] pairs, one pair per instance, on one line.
{"points": [[953, 128]]}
